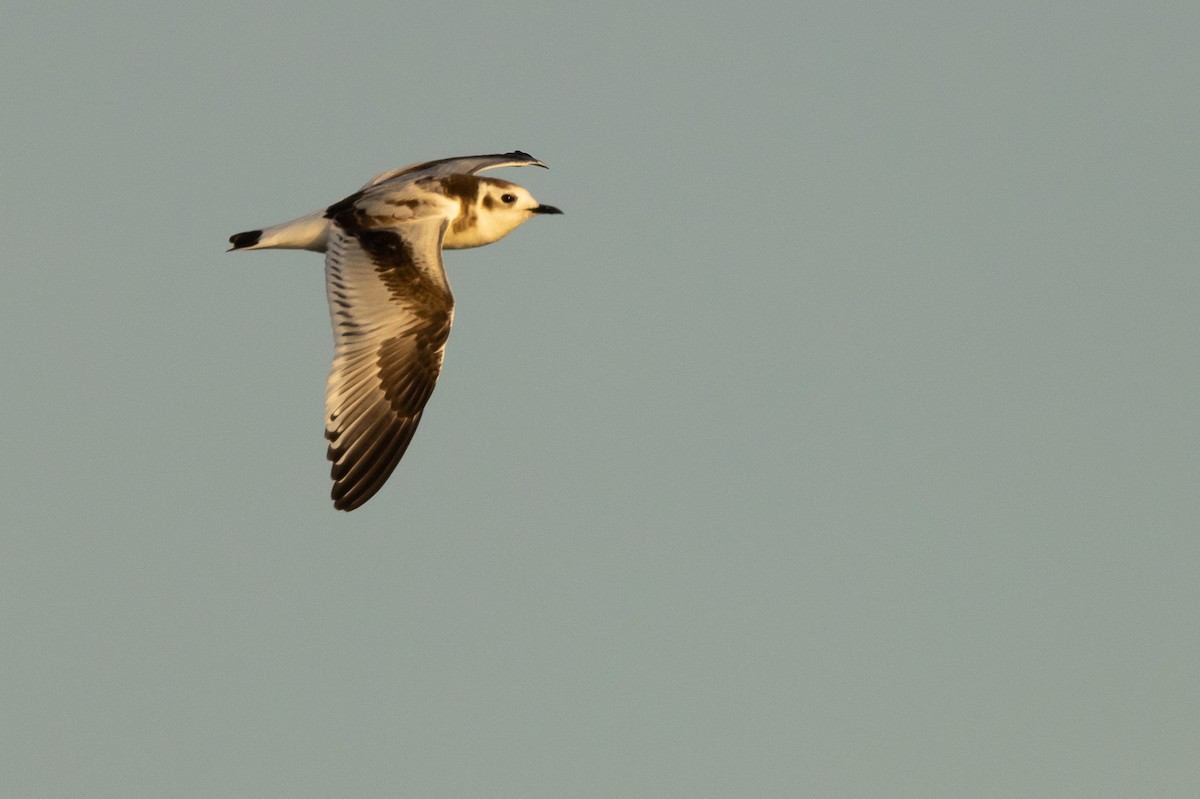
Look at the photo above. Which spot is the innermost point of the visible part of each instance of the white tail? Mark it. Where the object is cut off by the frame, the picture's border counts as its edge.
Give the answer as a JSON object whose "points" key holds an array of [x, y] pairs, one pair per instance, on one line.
{"points": [[309, 232]]}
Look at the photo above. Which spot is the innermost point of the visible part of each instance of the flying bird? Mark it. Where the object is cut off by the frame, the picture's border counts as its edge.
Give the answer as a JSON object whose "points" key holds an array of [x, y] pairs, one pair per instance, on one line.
{"points": [[389, 300]]}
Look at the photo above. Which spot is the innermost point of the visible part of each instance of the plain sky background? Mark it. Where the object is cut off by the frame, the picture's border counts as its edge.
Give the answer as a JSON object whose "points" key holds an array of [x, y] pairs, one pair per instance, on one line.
{"points": [[842, 439]]}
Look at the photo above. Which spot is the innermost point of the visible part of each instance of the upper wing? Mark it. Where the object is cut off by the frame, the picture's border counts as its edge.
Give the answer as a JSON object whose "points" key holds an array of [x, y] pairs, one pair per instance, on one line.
{"points": [[391, 309], [463, 165]]}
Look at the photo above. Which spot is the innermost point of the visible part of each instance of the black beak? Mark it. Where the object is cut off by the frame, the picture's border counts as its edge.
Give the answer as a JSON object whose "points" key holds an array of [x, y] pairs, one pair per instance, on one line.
{"points": [[546, 209]]}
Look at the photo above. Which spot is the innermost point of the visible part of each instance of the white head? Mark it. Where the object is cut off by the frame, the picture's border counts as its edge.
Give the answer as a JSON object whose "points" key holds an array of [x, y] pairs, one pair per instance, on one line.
{"points": [[490, 209]]}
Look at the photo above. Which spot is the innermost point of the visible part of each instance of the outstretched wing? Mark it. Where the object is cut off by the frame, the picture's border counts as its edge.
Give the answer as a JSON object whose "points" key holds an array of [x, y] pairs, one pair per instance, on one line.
{"points": [[391, 309], [463, 165]]}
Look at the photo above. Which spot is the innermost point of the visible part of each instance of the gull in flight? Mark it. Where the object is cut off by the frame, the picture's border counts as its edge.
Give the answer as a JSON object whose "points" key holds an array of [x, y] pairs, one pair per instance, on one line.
{"points": [[389, 300]]}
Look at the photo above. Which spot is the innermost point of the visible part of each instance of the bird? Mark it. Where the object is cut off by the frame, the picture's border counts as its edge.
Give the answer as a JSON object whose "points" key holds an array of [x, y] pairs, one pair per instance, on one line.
{"points": [[390, 303]]}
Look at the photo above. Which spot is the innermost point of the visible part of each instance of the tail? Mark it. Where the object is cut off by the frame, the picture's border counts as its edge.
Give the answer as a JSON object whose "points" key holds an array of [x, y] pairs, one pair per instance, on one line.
{"points": [[244, 241], [309, 232]]}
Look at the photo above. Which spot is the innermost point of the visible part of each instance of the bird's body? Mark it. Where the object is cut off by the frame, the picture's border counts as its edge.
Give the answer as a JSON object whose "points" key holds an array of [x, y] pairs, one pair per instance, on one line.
{"points": [[389, 300]]}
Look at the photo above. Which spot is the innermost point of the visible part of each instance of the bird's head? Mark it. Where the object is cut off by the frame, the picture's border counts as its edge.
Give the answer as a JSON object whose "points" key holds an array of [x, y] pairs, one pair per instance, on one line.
{"points": [[495, 209]]}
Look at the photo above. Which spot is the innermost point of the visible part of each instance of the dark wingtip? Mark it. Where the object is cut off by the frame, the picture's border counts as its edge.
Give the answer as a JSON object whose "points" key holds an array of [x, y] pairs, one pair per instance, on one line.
{"points": [[347, 500], [240, 241], [522, 154]]}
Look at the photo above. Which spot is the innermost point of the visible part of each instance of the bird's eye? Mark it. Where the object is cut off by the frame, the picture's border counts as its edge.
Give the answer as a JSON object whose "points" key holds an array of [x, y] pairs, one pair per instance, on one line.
{"points": [[507, 199]]}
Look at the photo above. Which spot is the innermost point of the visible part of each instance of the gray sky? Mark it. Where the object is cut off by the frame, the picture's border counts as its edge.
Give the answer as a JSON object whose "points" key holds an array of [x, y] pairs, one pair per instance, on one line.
{"points": [[840, 440]]}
